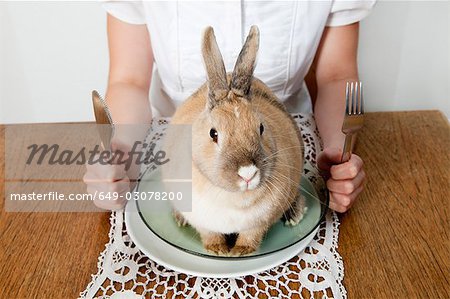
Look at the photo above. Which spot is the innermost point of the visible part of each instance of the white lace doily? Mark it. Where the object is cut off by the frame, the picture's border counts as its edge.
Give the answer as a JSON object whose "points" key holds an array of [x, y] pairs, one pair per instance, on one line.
{"points": [[316, 272]]}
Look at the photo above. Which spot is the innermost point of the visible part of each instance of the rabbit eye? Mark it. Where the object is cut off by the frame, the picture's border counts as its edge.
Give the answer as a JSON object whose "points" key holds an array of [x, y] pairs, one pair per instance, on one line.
{"points": [[213, 134], [261, 129]]}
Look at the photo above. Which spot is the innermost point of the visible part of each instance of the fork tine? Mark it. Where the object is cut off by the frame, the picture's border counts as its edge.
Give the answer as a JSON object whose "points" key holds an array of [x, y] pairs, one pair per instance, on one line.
{"points": [[361, 111], [358, 98], [347, 102], [353, 94]]}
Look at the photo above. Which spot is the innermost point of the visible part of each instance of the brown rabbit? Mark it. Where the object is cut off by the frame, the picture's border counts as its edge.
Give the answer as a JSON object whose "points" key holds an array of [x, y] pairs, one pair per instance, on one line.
{"points": [[247, 154]]}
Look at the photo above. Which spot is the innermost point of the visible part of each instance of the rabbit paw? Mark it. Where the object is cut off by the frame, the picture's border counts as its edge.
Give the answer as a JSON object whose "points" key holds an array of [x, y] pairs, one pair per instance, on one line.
{"points": [[294, 219], [214, 242], [179, 219], [239, 250], [295, 214], [218, 248]]}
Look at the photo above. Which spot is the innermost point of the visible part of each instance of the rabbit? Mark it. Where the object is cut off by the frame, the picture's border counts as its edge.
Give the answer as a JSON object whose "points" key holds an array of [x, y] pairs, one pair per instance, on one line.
{"points": [[247, 154]]}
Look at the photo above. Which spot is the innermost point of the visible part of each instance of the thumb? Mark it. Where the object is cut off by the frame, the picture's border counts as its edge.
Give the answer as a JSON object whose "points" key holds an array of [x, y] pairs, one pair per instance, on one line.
{"points": [[329, 157]]}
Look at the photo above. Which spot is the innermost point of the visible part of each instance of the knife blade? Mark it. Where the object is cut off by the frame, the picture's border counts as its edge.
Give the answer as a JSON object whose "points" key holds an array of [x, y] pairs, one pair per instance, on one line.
{"points": [[105, 125]]}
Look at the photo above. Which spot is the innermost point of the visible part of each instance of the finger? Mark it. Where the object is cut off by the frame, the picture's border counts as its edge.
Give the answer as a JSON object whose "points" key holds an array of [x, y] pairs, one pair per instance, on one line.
{"points": [[119, 187], [346, 186], [115, 173], [347, 170], [343, 202], [88, 177], [99, 176], [110, 205], [100, 169], [336, 207], [106, 173], [99, 160], [119, 202], [106, 199], [329, 157]]}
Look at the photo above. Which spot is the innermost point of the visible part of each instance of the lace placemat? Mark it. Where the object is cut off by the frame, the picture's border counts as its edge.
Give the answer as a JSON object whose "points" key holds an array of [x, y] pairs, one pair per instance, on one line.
{"points": [[316, 272]]}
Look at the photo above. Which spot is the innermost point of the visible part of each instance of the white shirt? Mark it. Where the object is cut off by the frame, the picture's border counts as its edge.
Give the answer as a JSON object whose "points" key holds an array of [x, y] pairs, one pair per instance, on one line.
{"points": [[290, 33]]}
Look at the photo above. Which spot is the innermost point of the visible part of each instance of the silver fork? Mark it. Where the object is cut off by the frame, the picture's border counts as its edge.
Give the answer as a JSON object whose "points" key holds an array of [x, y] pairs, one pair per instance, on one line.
{"points": [[354, 116]]}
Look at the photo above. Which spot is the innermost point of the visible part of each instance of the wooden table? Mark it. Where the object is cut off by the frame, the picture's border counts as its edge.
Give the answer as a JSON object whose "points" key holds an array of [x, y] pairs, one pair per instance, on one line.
{"points": [[394, 241]]}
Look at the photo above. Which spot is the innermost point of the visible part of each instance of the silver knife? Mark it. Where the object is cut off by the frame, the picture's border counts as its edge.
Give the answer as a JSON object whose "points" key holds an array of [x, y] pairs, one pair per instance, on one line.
{"points": [[103, 119]]}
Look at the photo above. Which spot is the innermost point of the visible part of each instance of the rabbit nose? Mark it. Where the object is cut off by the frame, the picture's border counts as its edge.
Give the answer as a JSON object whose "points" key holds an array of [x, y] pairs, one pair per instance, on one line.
{"points": [[247, 172]]}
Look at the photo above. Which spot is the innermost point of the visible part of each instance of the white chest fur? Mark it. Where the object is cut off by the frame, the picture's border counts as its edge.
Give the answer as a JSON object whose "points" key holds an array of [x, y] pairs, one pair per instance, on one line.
{"points": [[216, 210]]}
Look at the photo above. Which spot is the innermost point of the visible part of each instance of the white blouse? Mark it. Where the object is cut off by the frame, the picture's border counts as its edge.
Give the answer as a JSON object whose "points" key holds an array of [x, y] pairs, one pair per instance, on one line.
{"points": [[290, 33]]}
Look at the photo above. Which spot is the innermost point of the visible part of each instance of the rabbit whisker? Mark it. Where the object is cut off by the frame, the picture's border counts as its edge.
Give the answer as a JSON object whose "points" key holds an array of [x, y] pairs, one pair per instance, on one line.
{"points": [[280, 150], [301, 187], [273, 195]]}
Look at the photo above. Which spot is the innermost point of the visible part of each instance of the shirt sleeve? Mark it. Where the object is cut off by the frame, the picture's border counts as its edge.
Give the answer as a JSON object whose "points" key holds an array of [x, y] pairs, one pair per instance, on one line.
{"points": [[127, 11], [344, 12]]}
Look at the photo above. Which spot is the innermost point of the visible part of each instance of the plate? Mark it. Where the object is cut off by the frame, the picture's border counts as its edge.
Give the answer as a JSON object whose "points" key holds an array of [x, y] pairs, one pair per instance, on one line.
{"points": [[182, 261], [157, 215]]}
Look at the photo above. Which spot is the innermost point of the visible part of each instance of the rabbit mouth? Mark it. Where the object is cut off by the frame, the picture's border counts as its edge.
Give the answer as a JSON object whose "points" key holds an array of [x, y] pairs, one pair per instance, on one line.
{"points": [[249, 177]]}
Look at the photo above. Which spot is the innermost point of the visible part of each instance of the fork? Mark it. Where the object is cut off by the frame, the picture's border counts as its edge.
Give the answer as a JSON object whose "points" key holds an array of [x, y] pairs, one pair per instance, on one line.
{"points": [[354, 116]]}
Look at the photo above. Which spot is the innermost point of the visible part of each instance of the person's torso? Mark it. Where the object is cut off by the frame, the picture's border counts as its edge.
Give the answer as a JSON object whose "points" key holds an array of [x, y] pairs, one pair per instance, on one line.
{"points": [[290, 33]]}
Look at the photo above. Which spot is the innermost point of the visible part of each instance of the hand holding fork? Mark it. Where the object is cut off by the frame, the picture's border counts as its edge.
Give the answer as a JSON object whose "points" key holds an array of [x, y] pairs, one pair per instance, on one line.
{"points": [[343, 170]]}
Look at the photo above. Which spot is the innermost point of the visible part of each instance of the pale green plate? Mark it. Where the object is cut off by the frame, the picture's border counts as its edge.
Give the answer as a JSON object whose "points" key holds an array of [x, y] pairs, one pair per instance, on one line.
{"points": [[157, 215]]}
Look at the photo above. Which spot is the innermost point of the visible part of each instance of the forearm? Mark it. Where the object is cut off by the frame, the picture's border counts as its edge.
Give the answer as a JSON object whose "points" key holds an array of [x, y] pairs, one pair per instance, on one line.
{"points": [[130, 111], [335, 65], [128, 103], [329, 111], [130, 72]]}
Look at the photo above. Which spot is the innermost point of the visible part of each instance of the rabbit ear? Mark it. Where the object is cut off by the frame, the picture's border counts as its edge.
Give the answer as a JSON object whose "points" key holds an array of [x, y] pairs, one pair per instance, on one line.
{"points": [[215, 69], [245, 64]]}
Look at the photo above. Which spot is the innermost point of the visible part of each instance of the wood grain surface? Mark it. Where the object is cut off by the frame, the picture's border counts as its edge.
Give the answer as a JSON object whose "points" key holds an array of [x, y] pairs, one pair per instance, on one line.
{"points": [[394, 241]]}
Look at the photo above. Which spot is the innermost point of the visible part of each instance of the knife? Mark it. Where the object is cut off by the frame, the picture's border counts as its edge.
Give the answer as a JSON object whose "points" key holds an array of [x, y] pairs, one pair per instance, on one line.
{"points": [[104, 119]]}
